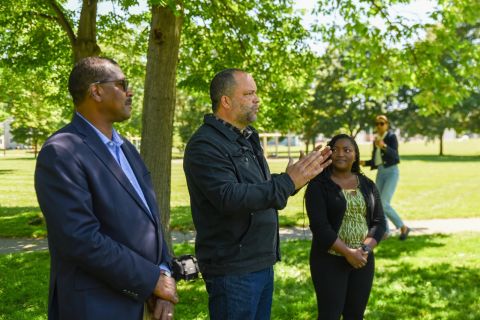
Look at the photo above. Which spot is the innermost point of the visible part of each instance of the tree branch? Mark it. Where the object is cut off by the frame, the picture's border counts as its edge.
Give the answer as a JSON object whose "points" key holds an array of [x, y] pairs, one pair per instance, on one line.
{"points": [[228, 18], [42, 15], [63, 21], [384, 13]]}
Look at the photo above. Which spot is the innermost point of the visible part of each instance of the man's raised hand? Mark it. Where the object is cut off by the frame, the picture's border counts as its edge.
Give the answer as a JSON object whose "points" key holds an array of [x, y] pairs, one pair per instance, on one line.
{"points": [[308, 166]]}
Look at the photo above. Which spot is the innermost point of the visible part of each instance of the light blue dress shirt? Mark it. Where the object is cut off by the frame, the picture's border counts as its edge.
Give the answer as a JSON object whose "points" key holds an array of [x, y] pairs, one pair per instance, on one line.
{"points": [[114, 146]]}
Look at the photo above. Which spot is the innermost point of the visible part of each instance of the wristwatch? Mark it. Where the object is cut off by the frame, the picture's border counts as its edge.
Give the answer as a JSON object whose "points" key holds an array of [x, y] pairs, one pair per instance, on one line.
{"points": [[366, 248], [166, 273]]}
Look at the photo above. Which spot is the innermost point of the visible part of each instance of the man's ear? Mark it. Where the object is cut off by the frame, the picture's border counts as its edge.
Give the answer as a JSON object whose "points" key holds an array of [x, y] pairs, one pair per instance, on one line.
{"points": [[95, 93], [225, 102]]}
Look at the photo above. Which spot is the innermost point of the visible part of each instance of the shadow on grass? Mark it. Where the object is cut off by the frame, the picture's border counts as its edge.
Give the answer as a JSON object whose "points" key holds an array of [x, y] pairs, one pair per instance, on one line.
{"points": [[24, 282], [435, 158], [17, 222], [20, 158], [181, 218], [288, 221], [393, 249], [7, 171], [401, 290], [183, 248], [436, 291], [294, 296], [295, 252], [14, 211], [193, 300]]}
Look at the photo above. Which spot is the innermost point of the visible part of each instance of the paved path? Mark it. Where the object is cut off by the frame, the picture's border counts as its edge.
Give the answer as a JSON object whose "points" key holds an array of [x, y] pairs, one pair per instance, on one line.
{"points": [[418, 227], [8, 245]]}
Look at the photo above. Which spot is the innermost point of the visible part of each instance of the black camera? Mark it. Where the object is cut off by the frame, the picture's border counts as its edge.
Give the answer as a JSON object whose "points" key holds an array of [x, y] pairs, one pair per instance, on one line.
{"points": [[185, 267]]}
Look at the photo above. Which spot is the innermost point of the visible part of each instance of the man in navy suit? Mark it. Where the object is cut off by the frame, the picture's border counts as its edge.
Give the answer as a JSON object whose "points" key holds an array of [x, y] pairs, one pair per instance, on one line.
{"points": [[108, 254]]}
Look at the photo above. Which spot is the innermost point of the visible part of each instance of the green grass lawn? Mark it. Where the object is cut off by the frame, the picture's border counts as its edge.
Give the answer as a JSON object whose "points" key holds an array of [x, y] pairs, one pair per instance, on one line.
{"points": [[427, 277], [18, 203], [430, 187]]}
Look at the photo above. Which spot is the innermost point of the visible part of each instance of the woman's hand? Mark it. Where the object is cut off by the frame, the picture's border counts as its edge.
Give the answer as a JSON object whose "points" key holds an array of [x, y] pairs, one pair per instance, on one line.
{"points": [[357, 258], [380, 144]]}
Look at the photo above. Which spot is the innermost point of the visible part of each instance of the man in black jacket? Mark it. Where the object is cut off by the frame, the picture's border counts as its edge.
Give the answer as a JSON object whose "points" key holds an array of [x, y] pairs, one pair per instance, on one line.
{"points": [[234, 200]]}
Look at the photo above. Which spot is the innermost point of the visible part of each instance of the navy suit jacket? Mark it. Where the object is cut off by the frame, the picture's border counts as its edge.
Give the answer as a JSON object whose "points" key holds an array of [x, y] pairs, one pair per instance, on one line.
{"points": [[105, 246]]}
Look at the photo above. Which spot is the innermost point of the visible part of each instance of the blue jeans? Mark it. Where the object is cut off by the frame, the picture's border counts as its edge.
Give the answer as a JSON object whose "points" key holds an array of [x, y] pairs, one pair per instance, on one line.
{"points": [[386, 181], [243, 297]]}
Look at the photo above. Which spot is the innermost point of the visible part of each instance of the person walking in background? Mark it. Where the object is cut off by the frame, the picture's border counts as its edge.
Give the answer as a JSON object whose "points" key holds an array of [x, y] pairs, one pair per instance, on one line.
{"points": [[108, 253], [385, 158], [347, 223], [234, 200]]}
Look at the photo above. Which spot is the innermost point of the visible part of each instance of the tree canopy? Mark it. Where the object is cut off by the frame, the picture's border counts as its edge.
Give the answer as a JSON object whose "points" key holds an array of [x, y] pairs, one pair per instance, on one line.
{"points": [[171, 50], [262, 37], [389, 51]]}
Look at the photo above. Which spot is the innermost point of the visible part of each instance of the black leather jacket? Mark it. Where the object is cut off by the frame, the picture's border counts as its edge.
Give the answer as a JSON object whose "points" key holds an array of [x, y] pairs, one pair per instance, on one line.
{"points": [[326, 205], [234, 200], [389, 155]]}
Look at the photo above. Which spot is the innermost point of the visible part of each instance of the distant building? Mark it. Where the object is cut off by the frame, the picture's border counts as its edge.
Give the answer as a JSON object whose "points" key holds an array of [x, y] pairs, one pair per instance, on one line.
{"points": [[6, 138]]}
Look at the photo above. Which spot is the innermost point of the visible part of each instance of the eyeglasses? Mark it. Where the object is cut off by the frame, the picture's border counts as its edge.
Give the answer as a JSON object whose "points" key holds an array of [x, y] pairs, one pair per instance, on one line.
{"points": [[379, 124], [122, 82]]}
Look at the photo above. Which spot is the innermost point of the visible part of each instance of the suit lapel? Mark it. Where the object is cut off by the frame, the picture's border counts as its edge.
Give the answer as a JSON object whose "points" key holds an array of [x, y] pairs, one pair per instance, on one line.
{"points": [[148, 192], [100, 150]]}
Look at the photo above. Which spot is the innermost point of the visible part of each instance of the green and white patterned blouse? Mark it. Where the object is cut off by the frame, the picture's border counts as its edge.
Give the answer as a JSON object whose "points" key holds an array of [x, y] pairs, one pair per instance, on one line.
{"points": [[354, 228]]}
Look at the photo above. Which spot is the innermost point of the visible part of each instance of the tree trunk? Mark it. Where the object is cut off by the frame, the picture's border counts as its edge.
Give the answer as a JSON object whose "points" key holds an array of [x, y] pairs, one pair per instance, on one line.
{"points": [[159, 105], [441, 143], [288, 145], [355, 133], [35, 148], [86, 42]]}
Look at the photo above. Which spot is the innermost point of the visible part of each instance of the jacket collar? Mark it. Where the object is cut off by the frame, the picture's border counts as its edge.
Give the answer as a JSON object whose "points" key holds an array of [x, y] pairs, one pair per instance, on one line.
{"points": [[93, 141], [325, 177], [230, 133]]}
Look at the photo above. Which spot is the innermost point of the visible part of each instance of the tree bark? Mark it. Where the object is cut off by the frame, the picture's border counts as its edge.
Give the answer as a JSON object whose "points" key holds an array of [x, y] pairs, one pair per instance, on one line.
{"points": [[86, 42], [159, 105], [307, 145], [35, 148], [441, 143]]}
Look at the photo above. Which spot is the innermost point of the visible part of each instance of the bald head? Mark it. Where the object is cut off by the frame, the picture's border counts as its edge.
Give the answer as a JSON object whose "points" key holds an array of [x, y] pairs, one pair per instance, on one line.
{"points": [[222, 84]]}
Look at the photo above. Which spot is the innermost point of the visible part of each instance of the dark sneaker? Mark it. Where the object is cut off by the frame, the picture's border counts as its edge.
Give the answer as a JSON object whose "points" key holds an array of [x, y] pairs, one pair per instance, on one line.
{"points": [[404, 235]]}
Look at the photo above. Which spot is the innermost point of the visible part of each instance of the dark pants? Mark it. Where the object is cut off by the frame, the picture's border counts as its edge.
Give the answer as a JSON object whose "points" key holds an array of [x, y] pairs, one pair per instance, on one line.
{"points": [[243, 297], [340, 288]]}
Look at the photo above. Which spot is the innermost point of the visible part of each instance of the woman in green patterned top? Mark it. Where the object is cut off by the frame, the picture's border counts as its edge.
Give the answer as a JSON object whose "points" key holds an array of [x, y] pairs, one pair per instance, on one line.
{"points": [[347, 222]]}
